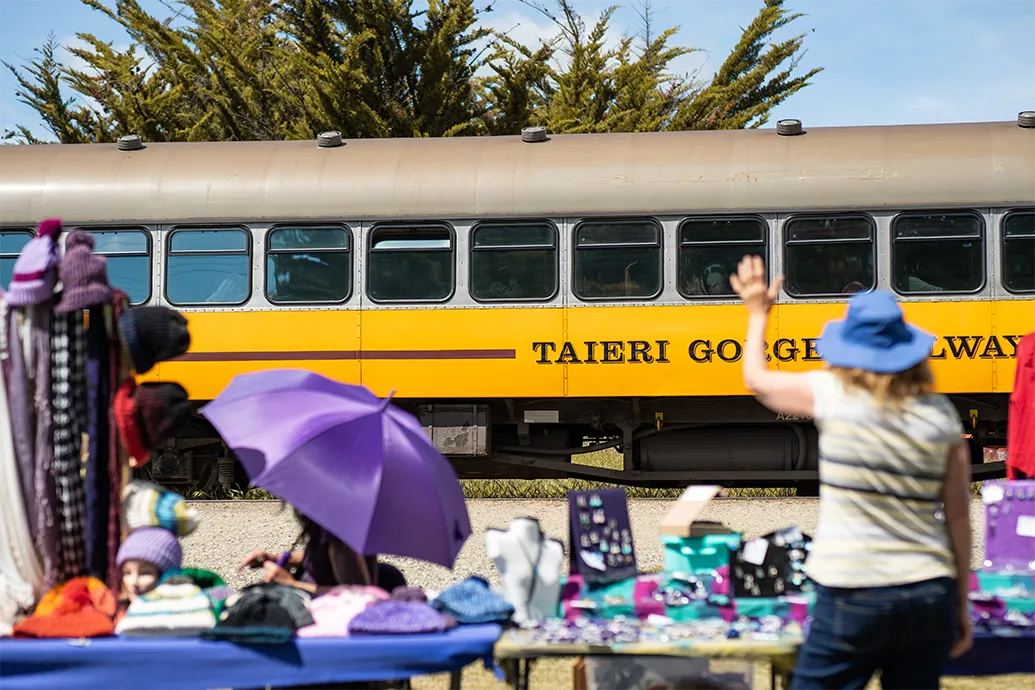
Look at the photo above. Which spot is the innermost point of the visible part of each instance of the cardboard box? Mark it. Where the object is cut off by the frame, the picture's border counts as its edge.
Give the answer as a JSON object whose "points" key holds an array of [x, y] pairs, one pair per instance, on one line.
{"points": [[679, 520]]}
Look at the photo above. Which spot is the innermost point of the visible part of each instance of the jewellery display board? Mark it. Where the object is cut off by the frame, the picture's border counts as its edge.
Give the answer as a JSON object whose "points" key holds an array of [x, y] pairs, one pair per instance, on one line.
{"points": [[1009, 525], [772, 565], [600, 536]]}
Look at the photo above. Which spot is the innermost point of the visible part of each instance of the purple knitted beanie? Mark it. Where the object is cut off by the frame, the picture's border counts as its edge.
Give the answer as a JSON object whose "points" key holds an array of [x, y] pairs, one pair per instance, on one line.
{"points": [[154, 545], [36, 270], [84, 275]]}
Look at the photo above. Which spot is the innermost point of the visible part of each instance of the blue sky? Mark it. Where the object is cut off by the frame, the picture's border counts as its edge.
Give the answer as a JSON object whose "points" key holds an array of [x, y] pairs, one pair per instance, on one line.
{"points": [[887, 61]]}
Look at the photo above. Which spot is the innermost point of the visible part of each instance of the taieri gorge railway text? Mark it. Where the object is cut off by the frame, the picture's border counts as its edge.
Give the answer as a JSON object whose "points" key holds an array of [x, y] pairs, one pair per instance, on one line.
{"points": [[536, 297], [731, 350]]}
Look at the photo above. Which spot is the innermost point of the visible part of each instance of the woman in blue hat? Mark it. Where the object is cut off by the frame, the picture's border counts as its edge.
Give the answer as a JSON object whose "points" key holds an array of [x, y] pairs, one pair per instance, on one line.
{"points": [[891, 576]]}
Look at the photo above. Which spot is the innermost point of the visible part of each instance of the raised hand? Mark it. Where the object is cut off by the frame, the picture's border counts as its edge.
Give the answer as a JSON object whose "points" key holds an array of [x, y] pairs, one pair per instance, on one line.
{"points": [[750, 285]]}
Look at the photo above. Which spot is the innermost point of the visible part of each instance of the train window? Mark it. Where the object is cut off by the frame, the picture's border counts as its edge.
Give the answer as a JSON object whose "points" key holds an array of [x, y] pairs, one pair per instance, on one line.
{"points": [[208, 266], [709, 250], [410, 263], [513, 261], [128, 254], [11, 244], [308, 264], [829, 255], [617, 259], [939, 252], [1019, 251]]}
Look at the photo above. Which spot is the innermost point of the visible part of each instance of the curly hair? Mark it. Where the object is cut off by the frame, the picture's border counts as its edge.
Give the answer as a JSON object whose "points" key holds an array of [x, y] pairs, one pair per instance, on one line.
{"points": [[889, 388]]}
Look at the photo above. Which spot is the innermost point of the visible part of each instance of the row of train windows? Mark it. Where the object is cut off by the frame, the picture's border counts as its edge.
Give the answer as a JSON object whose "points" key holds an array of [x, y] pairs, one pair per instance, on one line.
{"points": [[518, 261]]}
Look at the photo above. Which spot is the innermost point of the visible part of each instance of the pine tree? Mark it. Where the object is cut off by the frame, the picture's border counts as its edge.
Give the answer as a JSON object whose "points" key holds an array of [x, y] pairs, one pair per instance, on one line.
{"points": [[287, 69]]}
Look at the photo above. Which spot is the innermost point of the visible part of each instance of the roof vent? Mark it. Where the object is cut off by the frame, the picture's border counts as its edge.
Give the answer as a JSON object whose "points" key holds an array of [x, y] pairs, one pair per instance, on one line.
{"points": [[788, 128], [130, 142], [532, 135], [1026, 119], [328, 140]]}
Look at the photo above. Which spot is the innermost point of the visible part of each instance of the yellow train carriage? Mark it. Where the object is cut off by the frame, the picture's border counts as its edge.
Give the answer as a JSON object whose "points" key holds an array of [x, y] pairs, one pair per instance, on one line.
{"points": [[533, 297]]}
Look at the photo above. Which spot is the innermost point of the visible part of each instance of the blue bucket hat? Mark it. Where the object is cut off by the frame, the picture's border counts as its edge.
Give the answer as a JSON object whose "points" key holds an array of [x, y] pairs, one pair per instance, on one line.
{"points": [[874, 337]]}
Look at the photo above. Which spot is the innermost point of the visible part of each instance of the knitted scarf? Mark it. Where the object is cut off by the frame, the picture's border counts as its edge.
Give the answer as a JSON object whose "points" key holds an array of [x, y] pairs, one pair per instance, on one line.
{"points": [[21, 576], [98, 482], [19, 400], [47, 532], [120, 302], [68, 354]]}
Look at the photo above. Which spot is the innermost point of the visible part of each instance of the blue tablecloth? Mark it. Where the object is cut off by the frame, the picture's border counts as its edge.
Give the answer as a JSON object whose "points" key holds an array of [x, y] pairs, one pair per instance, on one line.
{"points": [[193, 664], [992, 655]]}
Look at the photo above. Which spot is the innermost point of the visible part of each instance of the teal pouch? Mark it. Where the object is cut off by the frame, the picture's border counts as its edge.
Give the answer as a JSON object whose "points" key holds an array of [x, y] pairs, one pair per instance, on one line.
{"points": [[698, 554]]}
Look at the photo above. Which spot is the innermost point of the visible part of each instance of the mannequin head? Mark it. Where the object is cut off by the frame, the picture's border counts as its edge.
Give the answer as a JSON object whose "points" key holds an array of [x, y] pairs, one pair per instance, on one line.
{"points": [[526, 527]]}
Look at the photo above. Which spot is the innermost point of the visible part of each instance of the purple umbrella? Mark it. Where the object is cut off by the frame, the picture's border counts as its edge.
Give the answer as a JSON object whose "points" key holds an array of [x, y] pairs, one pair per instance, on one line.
{"points": [[360, 468]]}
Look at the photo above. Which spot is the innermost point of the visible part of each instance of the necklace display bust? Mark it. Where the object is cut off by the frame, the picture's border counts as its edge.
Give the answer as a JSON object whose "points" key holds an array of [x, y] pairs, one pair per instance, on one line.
{"points": [[530, 567]]}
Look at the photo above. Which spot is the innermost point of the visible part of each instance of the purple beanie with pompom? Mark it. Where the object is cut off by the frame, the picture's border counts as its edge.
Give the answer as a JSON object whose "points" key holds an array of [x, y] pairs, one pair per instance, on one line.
{"points": [[36, 270]]}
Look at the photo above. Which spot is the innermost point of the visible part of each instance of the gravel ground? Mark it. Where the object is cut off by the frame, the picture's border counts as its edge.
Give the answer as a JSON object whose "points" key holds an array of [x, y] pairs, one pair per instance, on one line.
{"points": [[229, 529]]}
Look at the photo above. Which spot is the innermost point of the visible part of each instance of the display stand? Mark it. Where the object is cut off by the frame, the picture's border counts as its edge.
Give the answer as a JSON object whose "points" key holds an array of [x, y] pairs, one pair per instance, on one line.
{"points": [[600, 536], [529, 564]]}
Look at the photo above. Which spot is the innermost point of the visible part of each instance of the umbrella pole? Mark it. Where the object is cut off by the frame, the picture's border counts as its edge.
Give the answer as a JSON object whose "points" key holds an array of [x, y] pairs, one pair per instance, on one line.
{"points": [[362, 561]]}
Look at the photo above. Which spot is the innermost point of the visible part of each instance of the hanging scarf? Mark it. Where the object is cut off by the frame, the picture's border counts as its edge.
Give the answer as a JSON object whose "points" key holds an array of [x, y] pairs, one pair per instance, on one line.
{"points": [[20, 407], [120, 302], [21, 577], [67, 347], [47, 532], [98, 482]]}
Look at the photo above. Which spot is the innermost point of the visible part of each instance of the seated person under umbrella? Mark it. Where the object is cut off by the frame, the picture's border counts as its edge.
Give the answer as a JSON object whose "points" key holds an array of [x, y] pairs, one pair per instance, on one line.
{"points": [[325, 562]]}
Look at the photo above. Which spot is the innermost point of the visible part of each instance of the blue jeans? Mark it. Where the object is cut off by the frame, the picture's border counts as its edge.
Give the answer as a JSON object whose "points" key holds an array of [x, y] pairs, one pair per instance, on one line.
{"points": [[905, 631]]}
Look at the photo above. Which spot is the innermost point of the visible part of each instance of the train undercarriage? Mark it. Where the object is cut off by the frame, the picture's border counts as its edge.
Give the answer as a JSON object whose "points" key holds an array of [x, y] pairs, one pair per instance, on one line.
{"points": [[658, 442]]}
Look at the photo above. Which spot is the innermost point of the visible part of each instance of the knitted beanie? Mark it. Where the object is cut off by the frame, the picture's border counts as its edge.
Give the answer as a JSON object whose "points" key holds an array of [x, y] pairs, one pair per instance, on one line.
{"points": [[163, 409], [148, 415], [172, 609], [80, 607], [333, 610], [145, 504], [125, 412], [212, 586], [153, 545], [84, 275], [153, 334], [394, 617], [36, 270]]}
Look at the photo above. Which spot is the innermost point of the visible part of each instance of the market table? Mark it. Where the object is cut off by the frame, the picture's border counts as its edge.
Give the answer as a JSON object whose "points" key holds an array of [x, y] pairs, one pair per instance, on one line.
{"points": [[990, 655], [194, 664], [994, 655], [516, 655]]}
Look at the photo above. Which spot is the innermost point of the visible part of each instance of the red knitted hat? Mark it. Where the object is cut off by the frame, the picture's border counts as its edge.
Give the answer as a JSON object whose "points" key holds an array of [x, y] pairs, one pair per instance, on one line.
{"points": [[162, 410], [80, 607], [148, 415], [126, 420]]}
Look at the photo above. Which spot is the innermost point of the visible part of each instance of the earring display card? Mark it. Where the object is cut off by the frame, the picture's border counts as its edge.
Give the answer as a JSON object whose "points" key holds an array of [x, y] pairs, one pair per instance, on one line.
{"points": [[600, 536], [1009, 525], [771, 566]]}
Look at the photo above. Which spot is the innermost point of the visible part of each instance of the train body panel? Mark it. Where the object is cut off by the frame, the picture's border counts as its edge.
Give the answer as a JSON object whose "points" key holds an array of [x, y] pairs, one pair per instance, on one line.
{"points": [[576, 352]]}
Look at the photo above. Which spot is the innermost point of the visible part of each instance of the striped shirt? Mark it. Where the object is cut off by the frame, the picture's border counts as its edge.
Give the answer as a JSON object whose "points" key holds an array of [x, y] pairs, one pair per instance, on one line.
{"points": [[881, 472]]}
